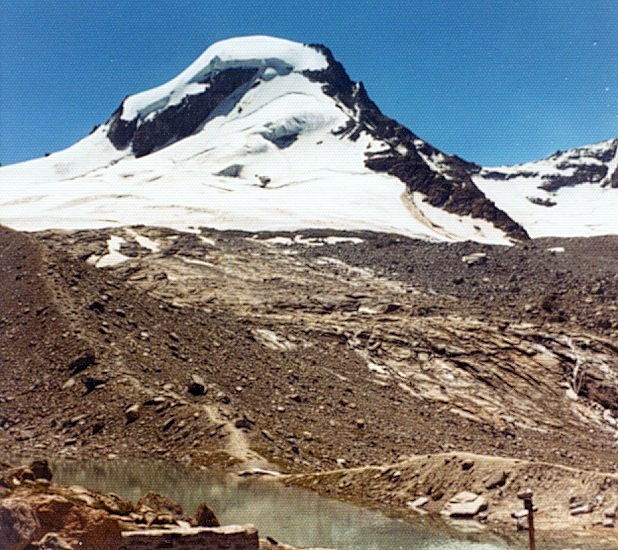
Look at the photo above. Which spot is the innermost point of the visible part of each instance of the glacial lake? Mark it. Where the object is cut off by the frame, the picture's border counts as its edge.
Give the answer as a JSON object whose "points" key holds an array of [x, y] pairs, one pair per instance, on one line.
{"points": [[290, 515]]}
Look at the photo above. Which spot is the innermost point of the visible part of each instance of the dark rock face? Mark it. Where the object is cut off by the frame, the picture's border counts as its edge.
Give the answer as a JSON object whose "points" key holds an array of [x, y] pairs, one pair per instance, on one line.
{"points": [[205, 517], [582, 173], [178, 121], [573, 167], [452, 190]]}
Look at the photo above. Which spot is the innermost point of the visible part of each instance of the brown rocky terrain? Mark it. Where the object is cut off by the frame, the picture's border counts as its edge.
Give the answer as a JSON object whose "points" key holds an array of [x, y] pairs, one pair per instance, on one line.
{"points": [[312, 353]]}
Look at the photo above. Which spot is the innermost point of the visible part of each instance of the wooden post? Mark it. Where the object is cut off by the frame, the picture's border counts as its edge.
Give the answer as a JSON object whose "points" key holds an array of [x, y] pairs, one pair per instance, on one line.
{"points": [[526, 496]]}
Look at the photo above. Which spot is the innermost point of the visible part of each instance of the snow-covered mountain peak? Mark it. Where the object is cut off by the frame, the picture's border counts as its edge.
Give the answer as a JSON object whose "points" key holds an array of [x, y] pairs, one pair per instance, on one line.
{"points": [[270, 56], [261, 133]]}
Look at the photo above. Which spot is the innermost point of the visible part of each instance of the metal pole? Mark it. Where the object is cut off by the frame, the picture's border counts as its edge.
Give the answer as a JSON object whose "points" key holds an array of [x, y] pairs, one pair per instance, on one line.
{"points": [[526, 496]]}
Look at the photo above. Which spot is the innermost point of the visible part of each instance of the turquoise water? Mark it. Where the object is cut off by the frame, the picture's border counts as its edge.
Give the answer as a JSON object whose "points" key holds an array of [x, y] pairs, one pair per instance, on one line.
{"points": [[293, 516]]}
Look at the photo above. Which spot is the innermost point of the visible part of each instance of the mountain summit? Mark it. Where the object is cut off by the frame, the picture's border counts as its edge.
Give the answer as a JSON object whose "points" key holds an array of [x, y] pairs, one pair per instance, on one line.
{"points": [[264, 133]]}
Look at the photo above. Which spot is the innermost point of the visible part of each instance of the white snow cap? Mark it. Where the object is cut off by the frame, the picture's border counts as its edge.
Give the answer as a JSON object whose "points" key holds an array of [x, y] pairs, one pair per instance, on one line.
{"points": [[260, 52]]}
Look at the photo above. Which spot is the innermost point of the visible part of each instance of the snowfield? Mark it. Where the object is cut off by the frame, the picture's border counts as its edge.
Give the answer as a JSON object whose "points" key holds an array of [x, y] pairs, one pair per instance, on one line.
{"points": [[267, 158]]}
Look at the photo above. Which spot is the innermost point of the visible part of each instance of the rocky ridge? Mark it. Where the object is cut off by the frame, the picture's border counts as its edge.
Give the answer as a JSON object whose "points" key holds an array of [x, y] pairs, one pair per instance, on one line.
{"points": [[594, 164]]}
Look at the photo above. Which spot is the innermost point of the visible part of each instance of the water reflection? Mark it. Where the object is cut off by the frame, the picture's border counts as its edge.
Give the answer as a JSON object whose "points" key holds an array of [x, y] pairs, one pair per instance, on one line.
{"points": [[294, 516]]}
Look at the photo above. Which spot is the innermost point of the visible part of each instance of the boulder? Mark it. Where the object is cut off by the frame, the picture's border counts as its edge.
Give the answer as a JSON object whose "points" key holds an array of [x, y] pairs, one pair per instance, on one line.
{"points": [[418, 503], [41, 469], [495, 480], [82, 361], [53, 541], [131, 413], [608, 523], [159, 504], [18, 524], [196, 385], [465, 505], [242, 423], [581, 509], [477, 258], [205, 517], [92, 383]]}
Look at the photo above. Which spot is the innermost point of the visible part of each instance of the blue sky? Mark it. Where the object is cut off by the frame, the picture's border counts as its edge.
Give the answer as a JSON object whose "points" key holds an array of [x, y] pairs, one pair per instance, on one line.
{"points": [[491, 81]]}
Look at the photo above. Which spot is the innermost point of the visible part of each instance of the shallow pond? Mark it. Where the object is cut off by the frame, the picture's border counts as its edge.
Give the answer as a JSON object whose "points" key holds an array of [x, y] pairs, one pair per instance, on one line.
{"points": [[294, 516]]}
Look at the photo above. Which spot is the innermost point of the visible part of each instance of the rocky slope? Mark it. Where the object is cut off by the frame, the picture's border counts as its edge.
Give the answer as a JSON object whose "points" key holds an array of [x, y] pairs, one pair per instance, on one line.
{"points": [[227, 348]]}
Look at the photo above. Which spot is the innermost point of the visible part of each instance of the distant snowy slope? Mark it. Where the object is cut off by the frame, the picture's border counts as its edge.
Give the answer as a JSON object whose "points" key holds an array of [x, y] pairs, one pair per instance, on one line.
{"points": [[262, 133], [571, 193]]}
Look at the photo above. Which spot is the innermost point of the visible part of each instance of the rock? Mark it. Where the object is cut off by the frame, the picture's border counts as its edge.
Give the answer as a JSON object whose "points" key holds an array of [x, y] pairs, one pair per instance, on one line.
{"points": [[581, 509], [22, 473], [23, 521], [241, 423], [196, 385], [205, 517], [83, 361], [229, 536], [389, 307], [360, 423], [53, 541], [92, 383], [131, 414], [112, 503], [264, 180], [41, 469], [610, 512], [97, 306], [97, 427], [467, 465], [608, 523], [522, 522], [497, 479], [68, 384], [465, 505], [475, 258], [267, 435], [159, 504], [18, 524], [418, 503], [258, 472], [231, 171], [168, 424]]}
